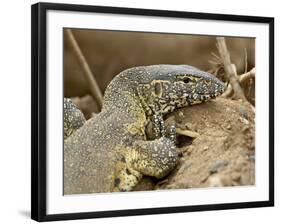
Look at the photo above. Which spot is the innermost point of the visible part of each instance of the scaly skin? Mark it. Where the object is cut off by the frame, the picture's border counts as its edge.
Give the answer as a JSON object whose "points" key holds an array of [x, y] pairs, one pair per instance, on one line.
{"points": [[110, 152], [73, 118]]}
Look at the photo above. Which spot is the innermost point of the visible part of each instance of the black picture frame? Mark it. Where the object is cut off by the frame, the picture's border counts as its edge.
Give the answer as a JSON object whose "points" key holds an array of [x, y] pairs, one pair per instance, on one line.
{"points": [[39, 124]]}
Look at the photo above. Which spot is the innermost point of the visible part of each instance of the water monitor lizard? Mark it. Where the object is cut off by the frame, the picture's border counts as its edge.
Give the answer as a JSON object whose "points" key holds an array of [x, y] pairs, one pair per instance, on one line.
{"points": [[110, 152]]}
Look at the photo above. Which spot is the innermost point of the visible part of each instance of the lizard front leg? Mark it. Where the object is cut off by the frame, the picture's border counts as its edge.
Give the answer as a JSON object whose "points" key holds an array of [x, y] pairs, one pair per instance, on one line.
{"points": [[157, 129], [154, 158]]}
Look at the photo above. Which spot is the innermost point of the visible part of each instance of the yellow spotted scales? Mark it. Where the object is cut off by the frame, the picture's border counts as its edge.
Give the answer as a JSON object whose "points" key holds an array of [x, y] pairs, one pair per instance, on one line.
{"points": [[111, 152]]}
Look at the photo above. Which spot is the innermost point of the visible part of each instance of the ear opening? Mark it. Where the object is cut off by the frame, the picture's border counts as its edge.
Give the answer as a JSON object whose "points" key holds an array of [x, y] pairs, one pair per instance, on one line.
{"points": [[158, 88]]}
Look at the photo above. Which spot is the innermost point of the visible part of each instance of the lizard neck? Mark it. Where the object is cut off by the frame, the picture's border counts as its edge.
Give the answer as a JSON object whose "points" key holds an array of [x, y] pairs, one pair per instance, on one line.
{"points": [[125, 101], [149, 110]]}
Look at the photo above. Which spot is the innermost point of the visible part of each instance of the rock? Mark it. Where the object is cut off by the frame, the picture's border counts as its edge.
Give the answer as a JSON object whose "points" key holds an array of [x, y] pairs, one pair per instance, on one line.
{"points": [[235, 176], [215, 181], [218, 165]]}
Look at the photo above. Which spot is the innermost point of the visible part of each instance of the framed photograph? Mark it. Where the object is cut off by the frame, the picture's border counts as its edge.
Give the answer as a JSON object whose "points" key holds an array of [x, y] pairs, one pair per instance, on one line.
{"points": [[139, 111]]}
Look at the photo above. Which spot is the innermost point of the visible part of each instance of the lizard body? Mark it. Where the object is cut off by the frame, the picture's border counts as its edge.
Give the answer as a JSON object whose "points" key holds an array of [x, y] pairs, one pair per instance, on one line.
{"points": [[110, 152]]}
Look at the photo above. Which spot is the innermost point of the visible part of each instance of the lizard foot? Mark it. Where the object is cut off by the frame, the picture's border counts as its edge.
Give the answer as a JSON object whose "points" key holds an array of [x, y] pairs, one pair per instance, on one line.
{"points": [[125, 177], [126, 180]]}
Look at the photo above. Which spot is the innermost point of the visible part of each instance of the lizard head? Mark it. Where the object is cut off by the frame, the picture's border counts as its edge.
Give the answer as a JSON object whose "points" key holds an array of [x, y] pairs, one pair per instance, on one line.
{"points": [[175, 86]]}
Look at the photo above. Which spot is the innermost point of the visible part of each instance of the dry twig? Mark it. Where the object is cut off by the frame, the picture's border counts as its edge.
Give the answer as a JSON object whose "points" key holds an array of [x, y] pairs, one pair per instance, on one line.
{"points": [[188, 133], [93, 85], [228, 92], [229, 69], [248, 75], [242, 79], [246, 60]]}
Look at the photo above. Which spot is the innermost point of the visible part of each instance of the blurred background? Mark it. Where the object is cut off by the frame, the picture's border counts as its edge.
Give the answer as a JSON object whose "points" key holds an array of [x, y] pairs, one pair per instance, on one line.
{"points": [[110, 52]]}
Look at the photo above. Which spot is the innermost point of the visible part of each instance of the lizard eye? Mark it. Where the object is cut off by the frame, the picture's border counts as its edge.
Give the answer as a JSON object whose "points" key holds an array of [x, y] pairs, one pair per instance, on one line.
{"points": [[186, 80]]}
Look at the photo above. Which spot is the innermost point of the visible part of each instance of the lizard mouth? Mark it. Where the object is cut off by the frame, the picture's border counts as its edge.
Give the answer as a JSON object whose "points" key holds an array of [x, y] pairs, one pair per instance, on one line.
{"points": [[218, 92], [215, 95], [206, 97], [198, 99]]}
